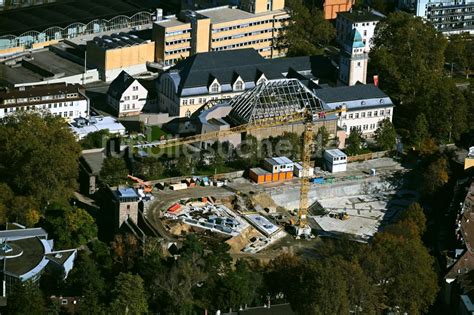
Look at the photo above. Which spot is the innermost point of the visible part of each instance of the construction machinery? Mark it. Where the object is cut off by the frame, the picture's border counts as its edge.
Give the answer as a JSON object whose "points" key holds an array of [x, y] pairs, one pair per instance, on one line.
{"points": [[147, 187], [301, 227]]}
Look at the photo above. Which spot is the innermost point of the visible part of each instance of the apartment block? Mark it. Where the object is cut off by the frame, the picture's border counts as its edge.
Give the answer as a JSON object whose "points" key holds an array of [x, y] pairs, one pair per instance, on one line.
{"points": [[64, 100], [448, 16], [256, 24]]}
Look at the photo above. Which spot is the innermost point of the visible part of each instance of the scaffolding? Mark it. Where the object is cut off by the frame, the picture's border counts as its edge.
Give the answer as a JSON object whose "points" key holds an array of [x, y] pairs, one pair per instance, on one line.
{"points": [[274, 98]]}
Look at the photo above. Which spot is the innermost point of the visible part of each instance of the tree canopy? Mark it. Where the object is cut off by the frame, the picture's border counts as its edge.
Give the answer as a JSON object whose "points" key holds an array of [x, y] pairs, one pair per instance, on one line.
{"points": [[385, 135], [354, 143], [39, 156], [114, 171], [307, 32]]}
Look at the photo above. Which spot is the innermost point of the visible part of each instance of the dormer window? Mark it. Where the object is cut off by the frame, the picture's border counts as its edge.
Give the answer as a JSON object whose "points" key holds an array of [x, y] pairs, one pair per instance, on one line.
{"points": [[215, 88], [239, 86], [262, 79]]}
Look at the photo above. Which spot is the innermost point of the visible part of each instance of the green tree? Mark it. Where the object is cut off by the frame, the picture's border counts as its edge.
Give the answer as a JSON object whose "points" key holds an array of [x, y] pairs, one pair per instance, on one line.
{"points": [[129, 296], [114, 171], [460, 50], [150, 168], [24, 210], [420, 131], [385, 135], [404, 271], [408, 56], [85, 277], [238, 288], [25, 298], [94, 140], [354, 142], [307, 32], [70, 227], [321, 140], [39, 161]]}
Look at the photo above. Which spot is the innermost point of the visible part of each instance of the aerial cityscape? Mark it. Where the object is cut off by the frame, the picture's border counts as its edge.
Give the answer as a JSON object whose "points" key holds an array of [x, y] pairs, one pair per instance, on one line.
{"points": [[237, 157]]}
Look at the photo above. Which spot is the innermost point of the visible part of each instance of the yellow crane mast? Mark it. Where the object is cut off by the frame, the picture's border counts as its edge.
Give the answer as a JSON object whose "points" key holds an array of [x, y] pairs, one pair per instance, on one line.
{"points": [[301, 227]]}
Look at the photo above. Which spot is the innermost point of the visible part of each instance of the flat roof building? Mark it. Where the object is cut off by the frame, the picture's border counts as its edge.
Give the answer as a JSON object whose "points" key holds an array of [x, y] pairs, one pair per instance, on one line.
{"points": [[257, 24], [119, 52], [82, 126], [335, 160], [25, 253]]}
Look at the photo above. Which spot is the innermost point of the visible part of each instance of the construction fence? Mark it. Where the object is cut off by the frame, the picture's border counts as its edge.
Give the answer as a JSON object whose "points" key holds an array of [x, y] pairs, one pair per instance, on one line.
{"points": [[367, 156]]}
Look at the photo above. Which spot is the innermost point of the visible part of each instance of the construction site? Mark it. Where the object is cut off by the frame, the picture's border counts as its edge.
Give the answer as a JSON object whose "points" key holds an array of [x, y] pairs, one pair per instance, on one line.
{"points": [[283, 205]]}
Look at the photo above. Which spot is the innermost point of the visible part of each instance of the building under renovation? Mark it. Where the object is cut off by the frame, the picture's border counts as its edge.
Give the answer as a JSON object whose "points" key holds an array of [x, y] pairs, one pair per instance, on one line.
{"points": [[279, 99]]}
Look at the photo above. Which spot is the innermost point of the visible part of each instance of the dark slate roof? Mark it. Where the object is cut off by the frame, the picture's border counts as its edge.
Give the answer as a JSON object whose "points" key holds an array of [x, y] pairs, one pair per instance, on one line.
{"points": [[120, 84], [226, 66], [349, 93], [360, 16]]}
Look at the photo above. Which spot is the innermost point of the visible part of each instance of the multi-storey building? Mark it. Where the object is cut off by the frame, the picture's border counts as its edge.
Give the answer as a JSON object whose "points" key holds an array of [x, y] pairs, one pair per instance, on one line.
{"points": [[126, 95], [363, 21], [64, 100], [192, 83], [448, 16], [117, 52], [332, 7], [256, 25], [353, 60], [366, 106]]}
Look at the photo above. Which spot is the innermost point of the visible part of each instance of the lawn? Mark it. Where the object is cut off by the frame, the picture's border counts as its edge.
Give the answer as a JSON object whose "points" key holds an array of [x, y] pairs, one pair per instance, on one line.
{"points": [[156, 133]]}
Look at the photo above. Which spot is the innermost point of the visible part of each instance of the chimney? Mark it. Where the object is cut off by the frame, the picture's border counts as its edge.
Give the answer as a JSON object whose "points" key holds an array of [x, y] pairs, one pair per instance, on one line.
{"points": [[159, 14]]}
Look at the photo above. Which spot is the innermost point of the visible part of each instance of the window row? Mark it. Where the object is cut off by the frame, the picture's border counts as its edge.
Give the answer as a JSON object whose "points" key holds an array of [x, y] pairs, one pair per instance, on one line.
{"points": [[243, 35], [368, 114], [39, 98], [179, 41], [235, 27], [177, 51], [178, 32], [253, 42]]}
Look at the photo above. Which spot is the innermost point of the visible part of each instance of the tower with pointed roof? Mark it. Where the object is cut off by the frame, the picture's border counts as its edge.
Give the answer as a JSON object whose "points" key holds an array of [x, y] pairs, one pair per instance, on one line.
{"points": [[353, 60]]}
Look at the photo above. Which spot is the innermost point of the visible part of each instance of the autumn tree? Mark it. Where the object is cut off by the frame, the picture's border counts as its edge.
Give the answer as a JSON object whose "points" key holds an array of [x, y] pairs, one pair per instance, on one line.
{"points": [[385, 135], [40, 160], [125, 251], [114, 171], [435, 176], [414, 214]]}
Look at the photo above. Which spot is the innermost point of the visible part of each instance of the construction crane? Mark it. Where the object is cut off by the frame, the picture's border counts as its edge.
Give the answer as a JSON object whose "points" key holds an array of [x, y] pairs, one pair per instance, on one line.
{"points": [[301, 228], [147, 187]]}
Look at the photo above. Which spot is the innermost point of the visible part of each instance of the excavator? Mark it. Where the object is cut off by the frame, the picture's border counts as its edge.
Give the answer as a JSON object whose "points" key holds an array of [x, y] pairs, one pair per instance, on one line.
{"points": [[301, 226], [147, 187]]}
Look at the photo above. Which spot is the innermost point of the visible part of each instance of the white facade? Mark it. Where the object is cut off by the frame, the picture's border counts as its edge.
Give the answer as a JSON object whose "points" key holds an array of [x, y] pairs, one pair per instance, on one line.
{"points": [[335, 160], [130, 101], [299, 172], [59, 100], [366, 120], [353, 61], [348, 21], [366, 106], [81, 127]]}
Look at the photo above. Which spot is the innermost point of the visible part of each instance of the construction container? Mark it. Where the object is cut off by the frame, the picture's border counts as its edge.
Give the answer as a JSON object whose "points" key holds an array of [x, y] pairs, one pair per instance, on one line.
{"points": [[160, 185], [174, 208], [258, 175], [281, 176], [203, 199], [275, 177], [179, 186], [289, 175]]}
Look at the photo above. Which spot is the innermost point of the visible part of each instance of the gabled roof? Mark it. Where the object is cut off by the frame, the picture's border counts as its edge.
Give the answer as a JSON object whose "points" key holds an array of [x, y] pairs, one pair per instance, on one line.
{"points": [[120, 84], [192, 75], [361, 16]]}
